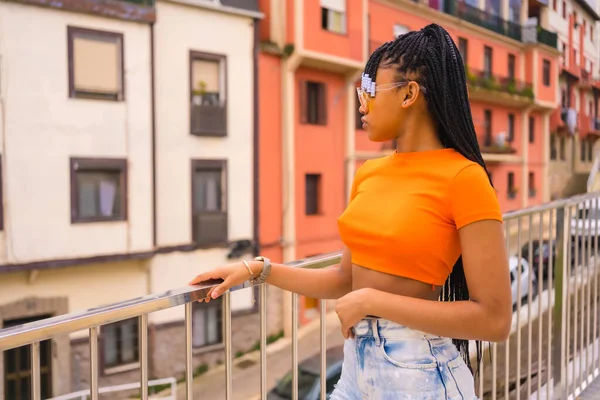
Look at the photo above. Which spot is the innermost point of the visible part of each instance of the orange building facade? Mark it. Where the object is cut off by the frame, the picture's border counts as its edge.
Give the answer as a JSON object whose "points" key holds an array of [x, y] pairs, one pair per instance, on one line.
{"points": [[312, 56]]}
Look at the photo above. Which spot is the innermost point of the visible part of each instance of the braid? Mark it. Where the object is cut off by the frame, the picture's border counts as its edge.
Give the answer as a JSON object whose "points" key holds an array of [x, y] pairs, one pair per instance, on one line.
{"points": [[432, 57]]}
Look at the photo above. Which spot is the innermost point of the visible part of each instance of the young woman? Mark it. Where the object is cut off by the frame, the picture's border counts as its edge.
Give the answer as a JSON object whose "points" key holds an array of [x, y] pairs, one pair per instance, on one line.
{"points": [[422, 224]]}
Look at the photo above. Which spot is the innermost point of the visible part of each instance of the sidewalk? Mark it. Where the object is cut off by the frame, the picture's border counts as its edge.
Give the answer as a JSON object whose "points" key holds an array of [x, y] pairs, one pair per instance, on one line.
{"points": [[246, 370]]}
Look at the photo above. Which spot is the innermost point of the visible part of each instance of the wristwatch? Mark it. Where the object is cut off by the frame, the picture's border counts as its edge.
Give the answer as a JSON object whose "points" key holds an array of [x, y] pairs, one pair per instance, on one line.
{"points": [[265, 271]]}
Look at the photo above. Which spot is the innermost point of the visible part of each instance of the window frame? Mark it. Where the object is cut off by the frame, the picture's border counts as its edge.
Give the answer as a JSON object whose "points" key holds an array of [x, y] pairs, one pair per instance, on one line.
{"points": [[101, 165], [546, 75], [531, 184], [488, 73], [510, 185], [195, 55], [327, 13], [213, 346], [322, 117], [463, 48], [318, 194], [72, 32], [511, 67], [113, 369], [210, 165], [531, 129], [510, 137]]}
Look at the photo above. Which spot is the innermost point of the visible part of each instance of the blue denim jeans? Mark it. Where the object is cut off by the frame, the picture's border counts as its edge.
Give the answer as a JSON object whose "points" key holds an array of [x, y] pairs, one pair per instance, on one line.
{"points": [[387, 361]]}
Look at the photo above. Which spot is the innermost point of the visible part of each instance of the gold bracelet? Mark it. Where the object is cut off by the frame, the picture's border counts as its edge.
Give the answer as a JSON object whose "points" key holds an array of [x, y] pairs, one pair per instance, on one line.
{"points": [[247, 266]]}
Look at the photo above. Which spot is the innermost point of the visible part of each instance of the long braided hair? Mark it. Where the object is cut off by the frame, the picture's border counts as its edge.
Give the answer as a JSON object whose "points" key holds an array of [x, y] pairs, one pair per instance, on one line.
{"points": [[432, 58]]}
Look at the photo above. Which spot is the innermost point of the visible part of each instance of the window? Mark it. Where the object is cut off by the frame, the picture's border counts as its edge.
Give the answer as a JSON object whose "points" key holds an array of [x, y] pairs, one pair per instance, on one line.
{"points": [[590, 151], [592, 33], [512, 190], [511, 67], [487, 61], [554, 4], [359, 115], [207, 323], [563, 152], [582, 150], [531, 129], [553, 146], [575, 59], [564, 54], [400, 30], [333, 15], [120, 343], [546, 73], [209, 201], [208, 97], [313, 193], [313, 103], [590, 108], [564, 9], [463, 48], [531, 181], [511, 128], [95, 64], [487, 118], [563, 98], [98, 189]]}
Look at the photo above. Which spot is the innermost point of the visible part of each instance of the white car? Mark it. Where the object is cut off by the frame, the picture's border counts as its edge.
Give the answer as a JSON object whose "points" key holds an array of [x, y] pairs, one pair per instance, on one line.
{"points": [[523, 282], [585, 221]]}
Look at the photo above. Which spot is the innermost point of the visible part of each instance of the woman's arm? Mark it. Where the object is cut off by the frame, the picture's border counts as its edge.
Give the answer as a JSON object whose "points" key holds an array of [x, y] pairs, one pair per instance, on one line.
{"points": [[326, 283], [486, 317]]}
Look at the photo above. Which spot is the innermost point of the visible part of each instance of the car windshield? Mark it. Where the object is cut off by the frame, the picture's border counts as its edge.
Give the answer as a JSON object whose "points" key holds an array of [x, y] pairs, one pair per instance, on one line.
{"points": [[306, 381]]}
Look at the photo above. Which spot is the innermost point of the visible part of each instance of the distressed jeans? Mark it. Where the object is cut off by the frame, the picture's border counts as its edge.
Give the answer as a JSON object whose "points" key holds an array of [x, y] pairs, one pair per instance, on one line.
{"points": [[387, 361]]}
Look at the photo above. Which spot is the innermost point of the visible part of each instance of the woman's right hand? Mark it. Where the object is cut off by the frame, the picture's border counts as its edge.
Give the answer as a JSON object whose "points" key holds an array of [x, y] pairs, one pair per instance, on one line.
{"points": [[232, 275]]}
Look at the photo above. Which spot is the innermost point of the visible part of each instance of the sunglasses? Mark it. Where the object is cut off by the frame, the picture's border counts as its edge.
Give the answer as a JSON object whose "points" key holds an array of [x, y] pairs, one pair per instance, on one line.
{"points": [[366, 94]]}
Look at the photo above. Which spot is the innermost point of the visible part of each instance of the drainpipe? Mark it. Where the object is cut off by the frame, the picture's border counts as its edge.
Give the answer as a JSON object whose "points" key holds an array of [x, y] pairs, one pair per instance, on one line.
{"points": [[256, 141], [148, 267]]}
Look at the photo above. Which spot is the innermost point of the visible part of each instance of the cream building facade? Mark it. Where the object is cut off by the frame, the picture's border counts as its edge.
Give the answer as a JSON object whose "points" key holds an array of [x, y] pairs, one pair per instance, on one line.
{"points": [[126, 139]]}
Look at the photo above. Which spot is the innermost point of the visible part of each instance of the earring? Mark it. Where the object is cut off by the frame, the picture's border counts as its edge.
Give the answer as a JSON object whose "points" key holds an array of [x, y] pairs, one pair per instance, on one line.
{"points": [[404, 102]]}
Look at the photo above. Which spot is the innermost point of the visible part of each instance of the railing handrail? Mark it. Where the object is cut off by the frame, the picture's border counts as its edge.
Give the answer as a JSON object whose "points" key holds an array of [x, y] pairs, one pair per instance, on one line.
{"points": [[37, 331], [118, 388]]}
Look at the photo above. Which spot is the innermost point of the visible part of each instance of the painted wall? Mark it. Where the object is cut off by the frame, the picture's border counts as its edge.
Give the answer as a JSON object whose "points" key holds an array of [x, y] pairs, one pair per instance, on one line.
{"points": [[43, 128], [85, 286], [348, 45], [179, 30], [321, 149]]}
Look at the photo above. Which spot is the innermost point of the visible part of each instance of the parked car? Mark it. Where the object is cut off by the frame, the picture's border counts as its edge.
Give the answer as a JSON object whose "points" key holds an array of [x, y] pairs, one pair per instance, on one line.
{"points": [[523, 282], [309, 377], [585, 222], [543, 253]]}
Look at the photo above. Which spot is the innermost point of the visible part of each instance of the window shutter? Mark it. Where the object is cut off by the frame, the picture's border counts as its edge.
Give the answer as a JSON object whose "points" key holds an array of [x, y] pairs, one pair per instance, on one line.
{"points": [[303, 101], [322, 104]]}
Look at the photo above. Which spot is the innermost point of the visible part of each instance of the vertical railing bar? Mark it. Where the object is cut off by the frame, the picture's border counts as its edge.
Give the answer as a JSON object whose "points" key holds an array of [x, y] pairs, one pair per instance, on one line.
{"points": [[36, 390], [94, 363], [507, 343], [575, 296], [494, 372], [228, 348], [519, 297], [189, 357], [143, 351], [587, 293], [294, 346], [323, 333], [481, 375], [560, 309], [554, 245], [540, 290], [595, 347], [263, 340], [569, 306], [529, 306]]}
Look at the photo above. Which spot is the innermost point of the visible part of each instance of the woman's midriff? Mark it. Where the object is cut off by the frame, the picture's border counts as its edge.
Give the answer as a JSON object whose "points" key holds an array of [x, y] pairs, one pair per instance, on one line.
{"points": [[367, 278]]}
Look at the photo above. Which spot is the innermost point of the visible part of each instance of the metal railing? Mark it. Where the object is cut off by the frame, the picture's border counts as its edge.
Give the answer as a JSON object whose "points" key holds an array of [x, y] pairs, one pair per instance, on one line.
{"points": [[552, 352], [489, 81], [84, 394], [474, 15]]}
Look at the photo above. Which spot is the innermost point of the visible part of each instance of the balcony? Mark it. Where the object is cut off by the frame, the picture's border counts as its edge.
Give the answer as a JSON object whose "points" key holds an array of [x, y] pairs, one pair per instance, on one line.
{"points": [[496, 149], [507, 91], [546, 37], [551, 276], [478, 17]]}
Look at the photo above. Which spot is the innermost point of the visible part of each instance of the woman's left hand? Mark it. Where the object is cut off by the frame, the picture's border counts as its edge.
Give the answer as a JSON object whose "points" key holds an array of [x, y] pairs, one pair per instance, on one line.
{"points": [[350, 309]]}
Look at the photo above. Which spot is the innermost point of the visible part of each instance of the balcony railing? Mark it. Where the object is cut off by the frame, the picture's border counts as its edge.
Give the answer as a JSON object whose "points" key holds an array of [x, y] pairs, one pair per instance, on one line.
{"points": [[486, 80], [474, 15], [552, 351], [149, 3], [546, 37]]}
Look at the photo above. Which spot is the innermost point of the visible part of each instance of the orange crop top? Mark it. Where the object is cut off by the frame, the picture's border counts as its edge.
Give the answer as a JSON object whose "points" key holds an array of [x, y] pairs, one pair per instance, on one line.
{"points": [[405, 211]]}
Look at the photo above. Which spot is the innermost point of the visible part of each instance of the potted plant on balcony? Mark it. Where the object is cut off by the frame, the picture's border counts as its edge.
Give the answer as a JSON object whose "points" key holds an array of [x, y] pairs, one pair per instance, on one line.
{"points": [[512, 192], [198, 94]]}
